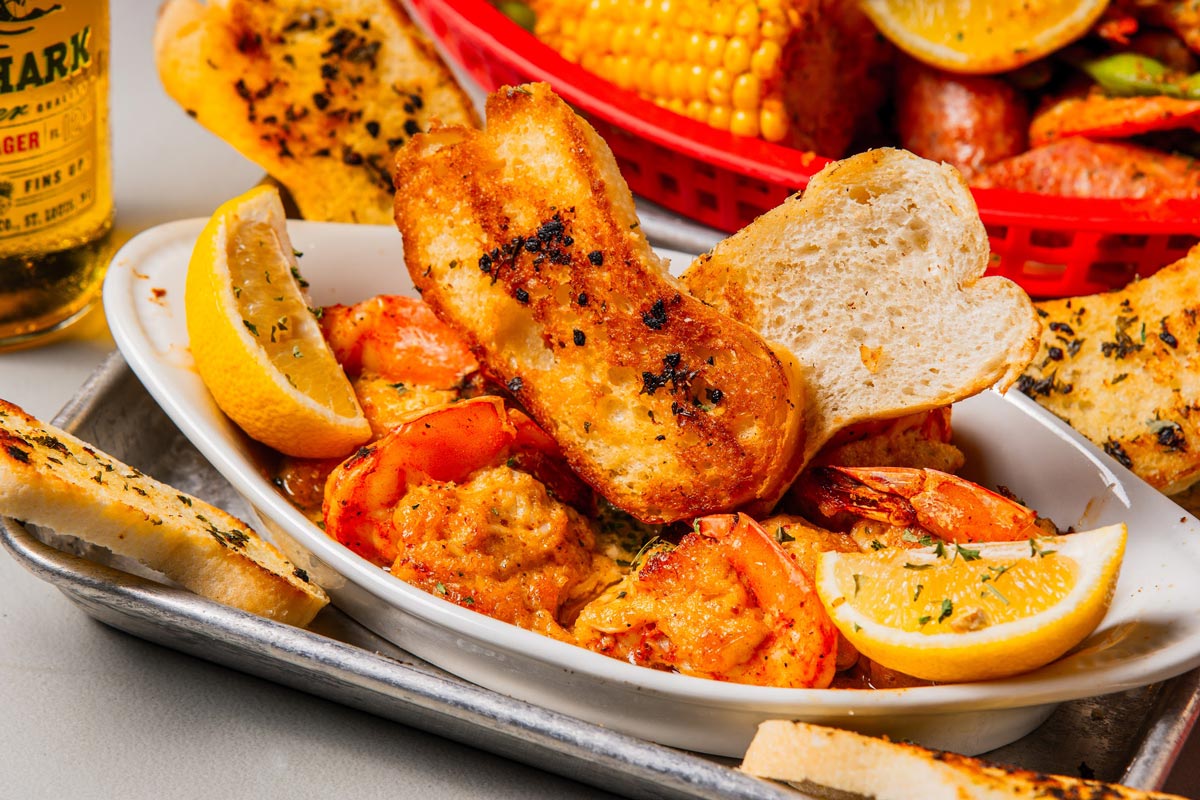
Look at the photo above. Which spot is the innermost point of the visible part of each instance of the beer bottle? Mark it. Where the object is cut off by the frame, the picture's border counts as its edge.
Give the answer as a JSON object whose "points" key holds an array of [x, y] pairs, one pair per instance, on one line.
{"points": [[56, 204]]}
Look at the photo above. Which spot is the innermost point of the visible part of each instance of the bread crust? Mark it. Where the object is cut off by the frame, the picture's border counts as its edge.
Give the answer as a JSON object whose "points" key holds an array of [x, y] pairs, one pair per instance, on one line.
{"points": [[873, 280], [525, 239], [318, 95], [50, 478], [1118, 367], [828, 762]]}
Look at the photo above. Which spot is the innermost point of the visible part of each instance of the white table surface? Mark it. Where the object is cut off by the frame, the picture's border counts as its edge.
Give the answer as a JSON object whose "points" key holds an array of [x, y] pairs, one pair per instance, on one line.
{"points": [[89, 712]]}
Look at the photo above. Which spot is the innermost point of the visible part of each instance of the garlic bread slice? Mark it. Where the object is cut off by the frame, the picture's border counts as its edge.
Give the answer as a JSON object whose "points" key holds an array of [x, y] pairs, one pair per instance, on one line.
{"points": [[52, 479]]}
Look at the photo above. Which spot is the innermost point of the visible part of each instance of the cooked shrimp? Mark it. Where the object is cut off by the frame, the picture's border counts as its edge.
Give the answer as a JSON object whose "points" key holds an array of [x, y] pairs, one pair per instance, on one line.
{"points": [[945, 505], [1078, 167], [442, 501], [400, 359], [1094, 114], [397, 338], [725, 603]]}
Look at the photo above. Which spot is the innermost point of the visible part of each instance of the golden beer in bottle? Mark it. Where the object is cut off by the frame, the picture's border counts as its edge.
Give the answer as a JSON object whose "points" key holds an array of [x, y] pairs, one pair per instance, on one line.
{"points": [[56, 205]]}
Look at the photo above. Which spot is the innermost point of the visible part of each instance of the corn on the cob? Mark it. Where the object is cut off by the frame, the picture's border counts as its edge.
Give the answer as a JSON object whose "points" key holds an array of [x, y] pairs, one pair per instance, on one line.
{"points": [[717, 61]]}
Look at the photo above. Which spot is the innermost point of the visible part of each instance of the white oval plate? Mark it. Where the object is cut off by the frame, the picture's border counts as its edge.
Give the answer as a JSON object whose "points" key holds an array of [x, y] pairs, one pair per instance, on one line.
{"points": [[1152, 631]]}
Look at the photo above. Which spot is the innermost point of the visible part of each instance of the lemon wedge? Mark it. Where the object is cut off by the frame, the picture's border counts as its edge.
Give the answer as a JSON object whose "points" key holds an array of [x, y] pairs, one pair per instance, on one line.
{"points": [[982, 36], [257, 345], [974, 611]]}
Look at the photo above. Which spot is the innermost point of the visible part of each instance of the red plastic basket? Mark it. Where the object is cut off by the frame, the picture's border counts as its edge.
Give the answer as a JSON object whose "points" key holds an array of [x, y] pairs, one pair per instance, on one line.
{"points": [[1051, 246]]}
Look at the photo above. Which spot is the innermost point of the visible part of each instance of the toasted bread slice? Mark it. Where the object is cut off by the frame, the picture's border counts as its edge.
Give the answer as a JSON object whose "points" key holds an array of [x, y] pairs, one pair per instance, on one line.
{"points": [[828, 762], [318, 94], [873, 280], [50, 478], [525, 239], [1121, 368]]}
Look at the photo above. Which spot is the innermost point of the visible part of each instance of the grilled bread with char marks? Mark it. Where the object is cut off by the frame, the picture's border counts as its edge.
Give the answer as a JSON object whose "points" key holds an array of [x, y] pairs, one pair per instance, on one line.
{"points": [[1121, 367], [317, 94], [873, 280], [50, 478], [524, 238], [828, 762]]}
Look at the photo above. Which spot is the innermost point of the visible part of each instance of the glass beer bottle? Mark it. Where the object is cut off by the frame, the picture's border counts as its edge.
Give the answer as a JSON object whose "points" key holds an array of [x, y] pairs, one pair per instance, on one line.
{"points": [[56, 205]]}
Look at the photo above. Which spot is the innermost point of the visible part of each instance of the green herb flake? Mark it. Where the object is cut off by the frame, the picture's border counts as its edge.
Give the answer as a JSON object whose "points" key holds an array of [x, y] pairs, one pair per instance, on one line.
{"points": [[917, 593], [992, 588], [441, 588], [918, 566], [966, 553], [947, 609], [857, 583], [782, 536], [250, 326]]}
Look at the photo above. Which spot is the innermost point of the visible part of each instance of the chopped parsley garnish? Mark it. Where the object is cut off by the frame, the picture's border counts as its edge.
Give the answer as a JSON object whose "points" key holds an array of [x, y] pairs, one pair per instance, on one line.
{"points": [[947, 609]]}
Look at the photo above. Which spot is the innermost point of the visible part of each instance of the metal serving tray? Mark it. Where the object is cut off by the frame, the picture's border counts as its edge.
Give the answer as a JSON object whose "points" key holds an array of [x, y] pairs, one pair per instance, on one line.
{"points": [[1133, 737]]}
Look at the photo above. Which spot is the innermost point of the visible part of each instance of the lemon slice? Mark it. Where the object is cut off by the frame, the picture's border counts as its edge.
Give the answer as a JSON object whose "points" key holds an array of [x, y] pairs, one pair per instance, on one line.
{"points": [[257, 345], [982, 36], [973, 612]]}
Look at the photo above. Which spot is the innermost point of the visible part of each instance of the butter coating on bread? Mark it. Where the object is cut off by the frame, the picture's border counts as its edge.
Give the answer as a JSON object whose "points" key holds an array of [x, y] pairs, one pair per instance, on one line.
{"points": [[828, 762], [873, 280], [317, 94], [1121, 367], [524, 238], [50, 478]]}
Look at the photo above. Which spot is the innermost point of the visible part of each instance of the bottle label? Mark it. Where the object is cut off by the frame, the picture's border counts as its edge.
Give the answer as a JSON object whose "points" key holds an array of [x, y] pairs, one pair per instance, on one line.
{"points": [[52, 114]]}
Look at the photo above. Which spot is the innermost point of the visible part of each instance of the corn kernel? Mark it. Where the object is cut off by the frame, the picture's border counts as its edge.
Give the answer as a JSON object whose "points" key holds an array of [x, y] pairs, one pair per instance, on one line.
{"points": [[697, 110], [773, 121], [660, 79], [677, 82], [747, 21], [774, 30], [714, 51], [693, 49], [600, 33], [766, 60], [620, 41], [747, 92], [623, 74], [697, 84], [737, 55], [720, 85], [744, 123], [677, 105], [655, 42], [719, 116], [720, 21]]}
